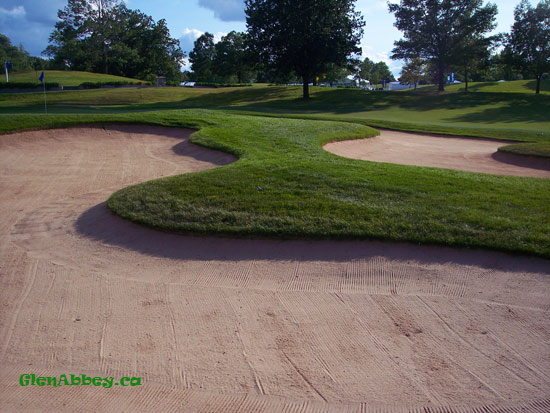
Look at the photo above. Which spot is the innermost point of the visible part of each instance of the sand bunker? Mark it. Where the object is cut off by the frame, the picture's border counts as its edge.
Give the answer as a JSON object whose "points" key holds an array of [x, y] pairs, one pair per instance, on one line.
{"points": [[464, 154], [235, 325]]}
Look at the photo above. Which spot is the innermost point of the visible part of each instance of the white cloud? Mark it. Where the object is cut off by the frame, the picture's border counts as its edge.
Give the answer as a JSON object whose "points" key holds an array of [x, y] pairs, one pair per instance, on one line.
{"points": [[187, 42], [187, 39], [18, 11], [225, 10]]}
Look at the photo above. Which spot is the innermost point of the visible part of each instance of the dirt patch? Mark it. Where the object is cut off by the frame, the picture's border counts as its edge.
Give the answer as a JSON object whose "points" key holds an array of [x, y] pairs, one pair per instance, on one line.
{"points": [[464, 154], [236, 325]]}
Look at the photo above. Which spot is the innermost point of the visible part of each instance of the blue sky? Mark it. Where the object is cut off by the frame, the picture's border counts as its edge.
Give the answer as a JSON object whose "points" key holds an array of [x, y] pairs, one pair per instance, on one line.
{"points": [[29, 22]]}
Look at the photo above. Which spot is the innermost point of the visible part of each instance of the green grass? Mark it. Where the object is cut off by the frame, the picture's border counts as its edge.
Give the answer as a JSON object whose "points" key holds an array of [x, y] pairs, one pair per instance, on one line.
{"points": [[309, 193], [515, 86], [65, 78], [510, 116], [540, 149]]}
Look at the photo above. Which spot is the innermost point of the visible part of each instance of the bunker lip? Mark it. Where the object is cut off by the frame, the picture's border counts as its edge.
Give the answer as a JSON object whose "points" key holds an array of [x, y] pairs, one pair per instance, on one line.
{"points": [[450, 152], [241, 325]]}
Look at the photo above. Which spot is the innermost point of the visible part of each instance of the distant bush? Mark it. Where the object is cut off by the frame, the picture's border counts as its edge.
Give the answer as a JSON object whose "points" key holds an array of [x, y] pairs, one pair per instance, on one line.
{"points": [[216, 85], [97, 85], [27, 85]]}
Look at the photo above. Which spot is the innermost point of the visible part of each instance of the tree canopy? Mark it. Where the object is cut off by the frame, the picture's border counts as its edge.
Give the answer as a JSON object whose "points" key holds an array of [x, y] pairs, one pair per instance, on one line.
{"points": [[375, 73], [232, 59], [529, 42], [18, 56], [225, 61], [413, 71], [202, 57], [303, 36], [436, 30], [104, 36]]}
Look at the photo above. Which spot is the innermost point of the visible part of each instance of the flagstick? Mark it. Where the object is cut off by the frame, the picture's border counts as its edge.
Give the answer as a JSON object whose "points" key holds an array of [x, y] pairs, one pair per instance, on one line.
{"points": [[45, 106]]}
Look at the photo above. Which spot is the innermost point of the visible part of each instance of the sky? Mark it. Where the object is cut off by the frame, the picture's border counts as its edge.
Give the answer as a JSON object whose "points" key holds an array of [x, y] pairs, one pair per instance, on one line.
{"points": [[30, 22]]}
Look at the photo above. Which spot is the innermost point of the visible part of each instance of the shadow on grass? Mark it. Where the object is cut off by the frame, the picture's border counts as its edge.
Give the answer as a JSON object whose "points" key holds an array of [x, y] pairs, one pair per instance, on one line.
{"points": [[516, 109], [506, 108], [285, 100], [544, 85], [100, 224], [524, 161]]}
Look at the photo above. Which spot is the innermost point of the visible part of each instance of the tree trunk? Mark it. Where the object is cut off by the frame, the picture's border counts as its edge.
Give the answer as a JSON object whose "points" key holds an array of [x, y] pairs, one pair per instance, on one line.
{"points": [[539, 77], [466, 80], [105, 68], [305, 79], [441, 77]]}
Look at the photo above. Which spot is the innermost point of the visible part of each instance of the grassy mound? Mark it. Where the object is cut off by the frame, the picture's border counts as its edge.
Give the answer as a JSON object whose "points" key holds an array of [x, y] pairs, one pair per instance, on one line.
{"points": [[540, 149], [514, 86], [306, 192], [309, 193], [67, 78]]}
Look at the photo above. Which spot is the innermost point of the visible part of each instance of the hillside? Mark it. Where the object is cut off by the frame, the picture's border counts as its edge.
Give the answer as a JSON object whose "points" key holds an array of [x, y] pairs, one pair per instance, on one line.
{"points": [[65, 78]]}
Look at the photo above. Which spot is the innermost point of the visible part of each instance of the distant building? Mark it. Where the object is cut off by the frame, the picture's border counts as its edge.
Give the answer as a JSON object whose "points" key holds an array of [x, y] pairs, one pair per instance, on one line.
{"points": [[398, 86], [161, 81]]}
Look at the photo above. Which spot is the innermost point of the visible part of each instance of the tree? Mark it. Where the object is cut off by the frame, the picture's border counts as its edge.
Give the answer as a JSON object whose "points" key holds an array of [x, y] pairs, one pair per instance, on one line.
{"points": [[436, 29], [335, 74], [303, 36], [104, 36], [413, 71], [202, 57], [375, 73], [67, 41], [471, 54], [231, 57], [18, 56], [529, 41]]}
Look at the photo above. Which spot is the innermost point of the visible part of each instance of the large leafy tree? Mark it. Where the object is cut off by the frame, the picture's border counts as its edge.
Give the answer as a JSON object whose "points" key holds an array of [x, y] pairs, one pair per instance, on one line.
{"points": [[472, 54], [104, 36], [375, 73], [436, 29], [413, 71], [529, 41], [303, 36], [68, 41], [202, 58], [18, 56], [231, 59]]}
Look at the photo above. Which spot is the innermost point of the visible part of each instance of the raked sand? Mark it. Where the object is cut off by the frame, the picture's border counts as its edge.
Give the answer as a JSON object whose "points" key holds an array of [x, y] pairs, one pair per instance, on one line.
{"points": [[464, 154]]}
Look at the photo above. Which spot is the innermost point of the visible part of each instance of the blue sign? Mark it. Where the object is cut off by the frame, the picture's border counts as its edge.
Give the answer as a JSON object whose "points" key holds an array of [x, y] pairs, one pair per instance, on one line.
{"points": [[41, 78], [9, 66]]}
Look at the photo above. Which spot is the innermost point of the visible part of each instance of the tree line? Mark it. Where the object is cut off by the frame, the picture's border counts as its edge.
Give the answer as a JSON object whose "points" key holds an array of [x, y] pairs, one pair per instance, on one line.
{"points": [[306, 41], [19, 57], [230, 61], [451, 35], [312, 40]]}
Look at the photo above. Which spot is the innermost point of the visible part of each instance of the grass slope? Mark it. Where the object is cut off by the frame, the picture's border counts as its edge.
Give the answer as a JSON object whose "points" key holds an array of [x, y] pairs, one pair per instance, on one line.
{"points": [[309, 193], [540, 149], [515, 86], [511, 116], [66, 78]]}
